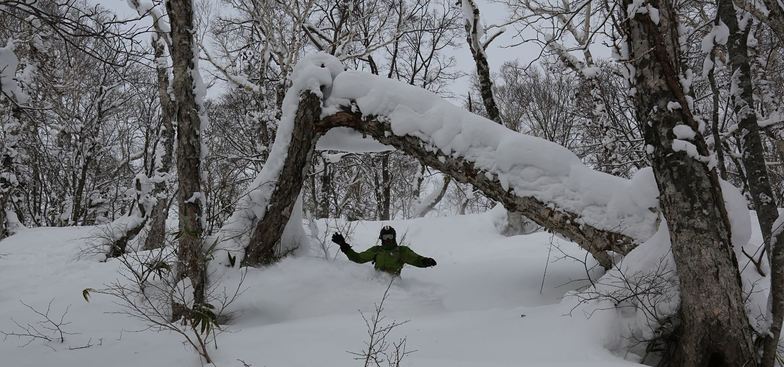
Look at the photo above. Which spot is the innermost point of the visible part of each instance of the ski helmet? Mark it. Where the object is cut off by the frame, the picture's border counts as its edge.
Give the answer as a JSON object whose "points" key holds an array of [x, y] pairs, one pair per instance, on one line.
{"points": [[386, 231]]}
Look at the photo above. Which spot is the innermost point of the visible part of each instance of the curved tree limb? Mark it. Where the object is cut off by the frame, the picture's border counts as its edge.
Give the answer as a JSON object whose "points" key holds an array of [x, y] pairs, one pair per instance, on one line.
{"points": [[594, 240]]}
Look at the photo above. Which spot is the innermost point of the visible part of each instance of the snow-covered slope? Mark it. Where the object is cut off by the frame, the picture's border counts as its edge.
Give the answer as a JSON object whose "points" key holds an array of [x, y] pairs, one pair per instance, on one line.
{"points": [[481, 306]]}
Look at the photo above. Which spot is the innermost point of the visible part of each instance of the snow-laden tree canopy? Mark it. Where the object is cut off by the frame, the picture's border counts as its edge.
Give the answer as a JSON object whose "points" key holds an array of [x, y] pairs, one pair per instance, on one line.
{"points": [[544, 181]]}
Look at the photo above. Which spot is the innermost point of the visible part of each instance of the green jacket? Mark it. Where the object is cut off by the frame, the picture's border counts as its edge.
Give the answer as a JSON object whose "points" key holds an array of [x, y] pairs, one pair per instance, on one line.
{"points": [[389, 260]]}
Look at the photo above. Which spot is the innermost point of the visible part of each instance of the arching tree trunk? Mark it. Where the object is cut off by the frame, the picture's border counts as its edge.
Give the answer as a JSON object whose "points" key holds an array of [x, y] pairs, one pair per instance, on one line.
{"points": [[269, 230], [594, 240], [266, 211]]}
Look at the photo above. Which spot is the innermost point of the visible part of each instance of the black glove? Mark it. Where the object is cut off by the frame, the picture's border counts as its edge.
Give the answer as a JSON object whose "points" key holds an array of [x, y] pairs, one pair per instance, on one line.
{"points": [[429, 262], [338, 238]]}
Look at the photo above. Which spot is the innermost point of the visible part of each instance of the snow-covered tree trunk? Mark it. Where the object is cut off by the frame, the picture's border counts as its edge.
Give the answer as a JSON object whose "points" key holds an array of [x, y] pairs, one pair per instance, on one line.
{"points": [[267, 233], [326, 189], [156, 236], [594, 240], [752, 155], [191, 261], [12, 98], [715, 128], [428, 203], [89, 147], [8, 177], [474, 34], [124, 229], [382, 185], [713, 327]]}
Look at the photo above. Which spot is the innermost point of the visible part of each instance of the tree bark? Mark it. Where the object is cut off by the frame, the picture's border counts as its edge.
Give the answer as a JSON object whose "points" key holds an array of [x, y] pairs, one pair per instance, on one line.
{"points": [[774, 18], [157, 234], [326, 184], [8, 178], [190, 254], [269, 230], [776, 296], [743, 104], [425, 208], [386, 188], [717, 146], [714, 329], [480, 59]]}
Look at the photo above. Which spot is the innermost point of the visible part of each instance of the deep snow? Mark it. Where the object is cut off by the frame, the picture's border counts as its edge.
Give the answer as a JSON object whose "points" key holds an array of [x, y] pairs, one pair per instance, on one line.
{"points": [[304, 311]]}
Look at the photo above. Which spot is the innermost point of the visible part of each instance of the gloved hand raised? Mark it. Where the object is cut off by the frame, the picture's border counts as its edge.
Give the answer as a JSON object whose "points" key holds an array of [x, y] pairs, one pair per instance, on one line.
{"points": [[429, 261], [338, 238]]}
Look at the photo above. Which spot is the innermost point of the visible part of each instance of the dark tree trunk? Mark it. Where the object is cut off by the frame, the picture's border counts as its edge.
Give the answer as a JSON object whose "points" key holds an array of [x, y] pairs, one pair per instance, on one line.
{"points": [[776, 296], [268, 231], [190, 254], [92, 136], [482, 68], [157, 234], [386, 188], [714, 329], [771, 342], [743, 104], [326, 184], [717, 146]]}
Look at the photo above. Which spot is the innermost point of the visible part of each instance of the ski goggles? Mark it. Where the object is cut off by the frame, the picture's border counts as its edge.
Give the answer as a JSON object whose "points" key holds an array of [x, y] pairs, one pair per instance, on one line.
{"points": [[388, 236]]}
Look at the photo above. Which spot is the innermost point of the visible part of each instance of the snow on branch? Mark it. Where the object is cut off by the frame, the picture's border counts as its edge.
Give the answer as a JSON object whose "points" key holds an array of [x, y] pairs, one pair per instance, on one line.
{"points": [[524, 165], [474, 26], [314, 74], [238, 80]]}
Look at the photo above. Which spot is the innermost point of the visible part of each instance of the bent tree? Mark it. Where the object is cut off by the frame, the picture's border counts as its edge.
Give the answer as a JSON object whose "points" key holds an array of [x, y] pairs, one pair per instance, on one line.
{"points": [[271, 200]]}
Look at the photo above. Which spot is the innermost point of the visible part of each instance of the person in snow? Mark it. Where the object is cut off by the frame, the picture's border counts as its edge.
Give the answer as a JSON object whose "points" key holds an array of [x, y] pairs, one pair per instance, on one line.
{"points": [[389, 257]]}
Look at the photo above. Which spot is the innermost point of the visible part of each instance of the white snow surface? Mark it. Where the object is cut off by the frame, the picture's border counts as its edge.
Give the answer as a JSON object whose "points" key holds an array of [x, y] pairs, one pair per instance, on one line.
{"points": [[480, 306]]}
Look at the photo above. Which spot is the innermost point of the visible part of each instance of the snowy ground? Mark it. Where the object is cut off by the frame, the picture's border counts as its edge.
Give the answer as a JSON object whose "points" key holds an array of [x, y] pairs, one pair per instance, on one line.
{"points": [[481, 306]]}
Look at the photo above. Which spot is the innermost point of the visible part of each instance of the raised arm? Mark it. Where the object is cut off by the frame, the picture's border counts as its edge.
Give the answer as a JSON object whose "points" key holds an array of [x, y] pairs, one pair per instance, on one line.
{"points": [[412, 258], [357, 257]]}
